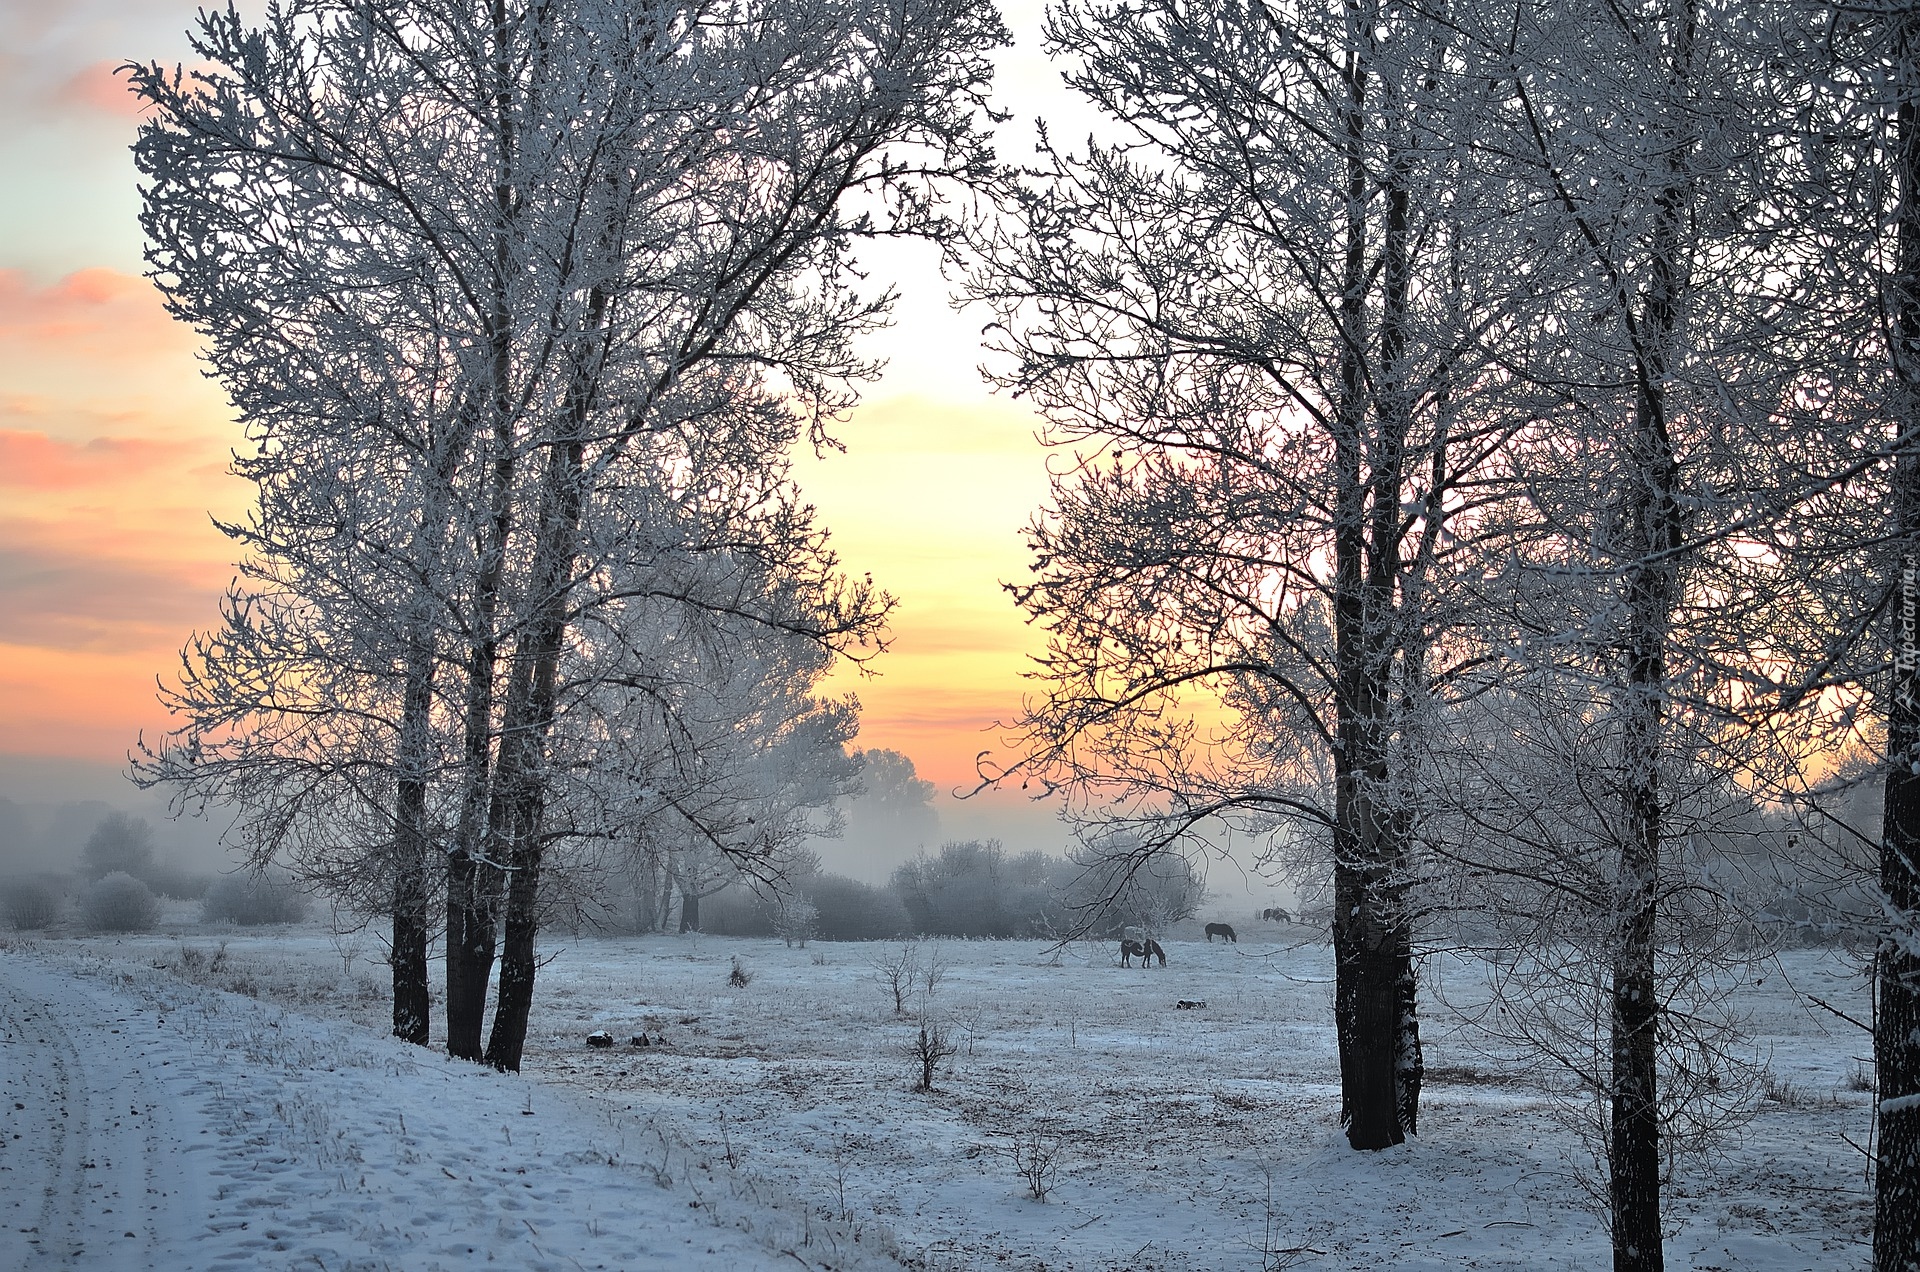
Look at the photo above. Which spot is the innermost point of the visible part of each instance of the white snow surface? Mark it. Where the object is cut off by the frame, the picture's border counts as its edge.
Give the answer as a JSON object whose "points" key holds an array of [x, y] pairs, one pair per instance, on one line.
{"points": [[156, 1124], [275, 1126]]}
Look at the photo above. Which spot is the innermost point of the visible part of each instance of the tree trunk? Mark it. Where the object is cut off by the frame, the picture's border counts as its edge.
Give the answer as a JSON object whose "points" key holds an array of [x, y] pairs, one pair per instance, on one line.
{"points": [[472, 919], [1634, 1147], [664, 909], [412, 891], [518, 963], [689, 911], [415, 870], [1656, 530], [473, 878], [412, 1003], [1409, 1059], [412, 895], [521, 780], [1896, 1038], [1374, 1018]]}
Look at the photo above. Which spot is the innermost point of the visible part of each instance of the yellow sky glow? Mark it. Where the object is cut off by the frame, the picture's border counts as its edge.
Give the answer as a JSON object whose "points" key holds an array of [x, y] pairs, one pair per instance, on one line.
{"points": [[114, 446]]}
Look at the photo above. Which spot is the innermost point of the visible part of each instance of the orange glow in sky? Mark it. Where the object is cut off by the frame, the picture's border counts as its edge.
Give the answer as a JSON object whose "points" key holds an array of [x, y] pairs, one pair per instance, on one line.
{"points": [[114, 446]]}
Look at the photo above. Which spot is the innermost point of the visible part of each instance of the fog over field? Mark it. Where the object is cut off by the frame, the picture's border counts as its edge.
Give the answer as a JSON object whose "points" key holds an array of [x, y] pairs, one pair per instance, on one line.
{"points": [[49, 807]]}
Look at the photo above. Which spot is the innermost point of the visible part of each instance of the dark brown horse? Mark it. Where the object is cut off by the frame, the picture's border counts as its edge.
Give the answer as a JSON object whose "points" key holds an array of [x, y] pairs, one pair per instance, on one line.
{"points": [[1144, 949], [1220, 930]]}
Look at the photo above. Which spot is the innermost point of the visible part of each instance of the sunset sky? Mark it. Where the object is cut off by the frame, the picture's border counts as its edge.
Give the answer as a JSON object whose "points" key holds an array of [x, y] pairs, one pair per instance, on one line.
{"points": [[113, 446]]}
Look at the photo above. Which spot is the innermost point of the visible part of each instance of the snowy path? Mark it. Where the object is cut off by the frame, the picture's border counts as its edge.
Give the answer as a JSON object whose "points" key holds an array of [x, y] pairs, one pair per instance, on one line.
{"points": [[156, 1124], [88, 1173]]}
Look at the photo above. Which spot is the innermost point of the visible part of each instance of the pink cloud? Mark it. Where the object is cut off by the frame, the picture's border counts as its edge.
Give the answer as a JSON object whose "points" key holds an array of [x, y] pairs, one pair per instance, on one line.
{"points": [[100, 87], [94, 311], [39, 462], [60, 592]]}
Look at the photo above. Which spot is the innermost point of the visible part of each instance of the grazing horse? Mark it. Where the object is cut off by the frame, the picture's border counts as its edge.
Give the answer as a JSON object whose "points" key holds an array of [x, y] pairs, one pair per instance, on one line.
{"points": [[1145, 949], [1221, 930], [1275, 915]]}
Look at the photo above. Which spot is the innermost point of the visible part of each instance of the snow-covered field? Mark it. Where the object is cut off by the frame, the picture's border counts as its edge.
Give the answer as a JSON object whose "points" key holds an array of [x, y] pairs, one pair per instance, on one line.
{"points": [[288, 1132]]}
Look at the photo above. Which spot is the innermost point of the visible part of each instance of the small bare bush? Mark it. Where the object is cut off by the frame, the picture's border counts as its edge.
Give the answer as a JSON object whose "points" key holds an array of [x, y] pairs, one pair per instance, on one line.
{"points": [[739, 977], [934, 969], [1034, 1156], [191, 963], [931, 1048], [120, 903], [897, 973], [30, 903], [1778, 1090]]}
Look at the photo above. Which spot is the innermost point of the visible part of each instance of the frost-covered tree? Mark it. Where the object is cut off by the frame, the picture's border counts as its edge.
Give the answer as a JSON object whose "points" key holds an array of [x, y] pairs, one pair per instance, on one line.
{"points": [[1896, 1043], [1262, 319], [1679, 366], [1853, 546], [525, 305], [120, 844], [893, 814]]}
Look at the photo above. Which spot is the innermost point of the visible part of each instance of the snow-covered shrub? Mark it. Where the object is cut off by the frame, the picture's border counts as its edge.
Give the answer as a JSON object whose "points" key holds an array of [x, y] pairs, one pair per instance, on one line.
{"points": [[795, 921], [252, 899], [119, 903], [181, 885], [30, 903], [848, 910]]}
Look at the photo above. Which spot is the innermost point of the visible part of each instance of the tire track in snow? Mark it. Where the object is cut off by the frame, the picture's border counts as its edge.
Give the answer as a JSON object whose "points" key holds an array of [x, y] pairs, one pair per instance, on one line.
{"points": [[167, 1126], [82, 1175]]}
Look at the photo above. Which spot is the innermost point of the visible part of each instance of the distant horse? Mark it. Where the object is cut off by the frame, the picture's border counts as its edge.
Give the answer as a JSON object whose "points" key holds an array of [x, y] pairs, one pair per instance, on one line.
{"points": [[1275, 915], [1144, 949], [1222, 930]]}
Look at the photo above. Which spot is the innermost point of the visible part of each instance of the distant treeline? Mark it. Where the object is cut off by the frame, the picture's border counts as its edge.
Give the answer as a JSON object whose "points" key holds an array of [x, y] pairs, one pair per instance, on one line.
{"points": [[967, 889]]}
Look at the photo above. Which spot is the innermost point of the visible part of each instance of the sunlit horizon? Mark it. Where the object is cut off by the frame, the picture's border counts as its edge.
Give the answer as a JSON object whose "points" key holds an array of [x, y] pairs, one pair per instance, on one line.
{"points": [[114, 445]]}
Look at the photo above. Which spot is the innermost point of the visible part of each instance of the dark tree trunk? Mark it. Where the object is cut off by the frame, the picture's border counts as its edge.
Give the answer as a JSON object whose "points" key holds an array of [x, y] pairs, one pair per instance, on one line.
{"points": [[1896, 1039], [1409, 1059], [412, 891], [1656, 530], [472, 920], [412, 1003], [415, 868], [1374, 1007], [522, 775], [689, 911], [518, 963], [473, 877], [412, 929], [1656, 533], [1634, 1150]]}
